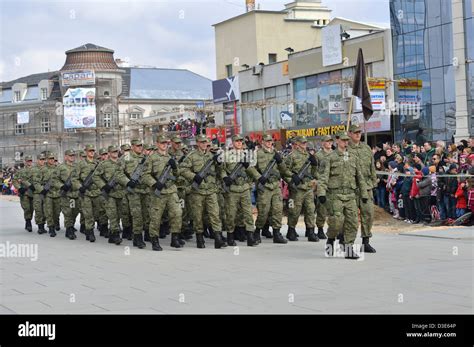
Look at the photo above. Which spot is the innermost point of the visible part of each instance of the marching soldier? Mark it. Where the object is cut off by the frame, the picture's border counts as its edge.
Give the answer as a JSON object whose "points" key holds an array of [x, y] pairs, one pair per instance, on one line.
{"points": [[106, 177], [23, 182], [238, 185], [269, 196], [69, 194], [300, 174], [148, 150], [51, 195], [137, 192], [322, 156], [36, 187], [103, 154], [92, 203], [125, 216], [367, 165], [202, 168], [159, 175], [337, 189], [80, 158]]}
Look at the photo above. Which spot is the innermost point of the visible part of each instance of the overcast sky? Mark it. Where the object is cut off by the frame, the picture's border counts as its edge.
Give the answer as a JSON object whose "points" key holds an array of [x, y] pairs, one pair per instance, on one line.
{"points": [[34, 34]]}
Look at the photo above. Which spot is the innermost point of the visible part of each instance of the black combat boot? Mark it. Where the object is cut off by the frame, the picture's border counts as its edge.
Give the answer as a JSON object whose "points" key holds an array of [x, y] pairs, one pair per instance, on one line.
{"points": [[200, 240], [321, 234], [251, 239], [351, 252], [162, 233], [138, 241], [340, 237], [266, 231], [366, 246], [82, 229], [52, 232], [240, 234], [212, 234], [330, 247], [218, 242], [146, 232], [155, 244], [115, 238], [311, 235], [181, 239], [206, 232], [291, 234], [231, 240], [68, 233], [57, 227], [41, 229], [91, 235], [127, 233], [28, 225], [103, 228], [175, 241], [257, 238], [188, 233], [278, 237], [72, 233], [74, 228], [106, 231]]}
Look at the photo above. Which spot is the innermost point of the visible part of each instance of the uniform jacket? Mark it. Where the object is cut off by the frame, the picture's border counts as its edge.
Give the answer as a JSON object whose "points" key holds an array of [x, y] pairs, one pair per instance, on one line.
{"points": [[294, 162], [194, 162], [107, 170], [367, 164], [154, 168], [24, 175], [264, 157], [64, 172]]}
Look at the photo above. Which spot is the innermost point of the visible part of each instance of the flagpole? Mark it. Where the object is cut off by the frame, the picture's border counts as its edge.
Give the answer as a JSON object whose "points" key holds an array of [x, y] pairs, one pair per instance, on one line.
{"points": [[350, 112]]}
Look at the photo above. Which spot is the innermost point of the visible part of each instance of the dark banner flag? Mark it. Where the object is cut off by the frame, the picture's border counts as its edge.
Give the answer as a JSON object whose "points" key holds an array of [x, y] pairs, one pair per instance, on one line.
{"points": [[361, 87]]}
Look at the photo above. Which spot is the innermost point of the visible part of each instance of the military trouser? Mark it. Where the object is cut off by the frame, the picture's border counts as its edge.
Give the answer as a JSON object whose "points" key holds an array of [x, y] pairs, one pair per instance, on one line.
{"points": [[301, 200], [38, 206], [138, 210], [125, 216], [321, 215], [169, 203], [79, 207], [70, 208], [114, 207], [93, 209], [366, 214], [146, 217], [205, 203], [270, 208], [342, 216], [184, 203], [26, 203], [52, 209], [222, 209], [239, 204]]}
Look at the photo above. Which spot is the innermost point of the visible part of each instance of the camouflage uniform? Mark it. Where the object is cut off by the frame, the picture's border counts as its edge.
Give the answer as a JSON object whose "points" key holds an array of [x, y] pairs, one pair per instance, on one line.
{"points": [[338, 183], [52, 201], [125, 216], [37, 184], [204, 198], [321, 211], [22, 182], [69, 195]]}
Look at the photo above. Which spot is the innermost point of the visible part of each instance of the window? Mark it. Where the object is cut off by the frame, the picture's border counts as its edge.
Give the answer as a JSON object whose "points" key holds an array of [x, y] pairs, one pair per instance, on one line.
{"points": [[106, 93], [228, 69], [44, 93], [19, 129], [272, 58], [107, 120], [45, 125], [134, 115], [17, 96]]}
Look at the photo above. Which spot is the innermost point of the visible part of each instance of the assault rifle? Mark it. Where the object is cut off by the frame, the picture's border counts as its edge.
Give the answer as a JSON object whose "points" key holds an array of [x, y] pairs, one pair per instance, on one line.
{"points": [[266, 173], [204, 172], [137, 173], [162, 180], [87, 183]]}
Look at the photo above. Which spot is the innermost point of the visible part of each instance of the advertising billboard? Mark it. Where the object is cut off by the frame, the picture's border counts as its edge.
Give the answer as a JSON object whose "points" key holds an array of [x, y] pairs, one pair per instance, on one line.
{"points": [[79, 108]]}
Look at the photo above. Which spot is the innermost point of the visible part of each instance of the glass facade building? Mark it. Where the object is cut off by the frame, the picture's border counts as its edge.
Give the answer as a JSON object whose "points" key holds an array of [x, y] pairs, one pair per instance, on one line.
{"points": [[422, 37]]}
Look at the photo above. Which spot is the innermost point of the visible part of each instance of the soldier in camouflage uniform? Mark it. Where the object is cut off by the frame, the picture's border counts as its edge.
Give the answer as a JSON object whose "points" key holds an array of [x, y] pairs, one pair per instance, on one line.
{"points": [[168, 199], [301, 190], [366, 159], [137, 191], [238, 200], [81, 156], [204, 196], [103, 154], [92, 202], [148, 150], [105, 177], [22, 182], [125, 216], [269, 196], [69, 194], [50, 192], [337, 188], [322, 156], [37, 186]]}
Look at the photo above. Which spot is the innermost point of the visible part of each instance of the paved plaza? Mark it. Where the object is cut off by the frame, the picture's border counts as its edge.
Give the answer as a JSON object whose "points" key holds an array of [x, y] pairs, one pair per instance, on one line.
{"points": [[422, 272]]}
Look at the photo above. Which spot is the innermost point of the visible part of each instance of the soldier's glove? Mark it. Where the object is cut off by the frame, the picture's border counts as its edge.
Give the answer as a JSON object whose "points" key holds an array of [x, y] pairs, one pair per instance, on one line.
{"points": [[365, 200], [278, 158], [246, 164], [197, 179], [32, 188], [173, 164], [132, 184], [322, 199], [106, 188], [295, 179], [313, 160], [66, 187], [262, 180], [21, 190], [82, 190], [216, 158], [159, 186], [227, 181]]}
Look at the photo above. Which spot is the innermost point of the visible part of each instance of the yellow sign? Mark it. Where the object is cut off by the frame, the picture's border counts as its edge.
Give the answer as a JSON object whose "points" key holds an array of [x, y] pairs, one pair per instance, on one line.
{"points": [[376, 84], [411, 85], [285, 68], [313, 132]]}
